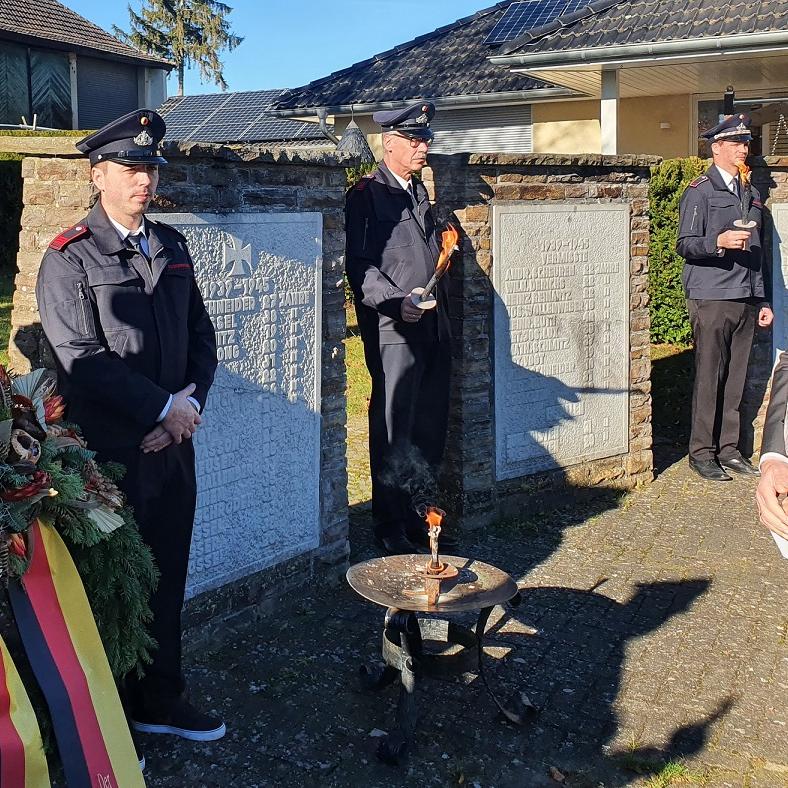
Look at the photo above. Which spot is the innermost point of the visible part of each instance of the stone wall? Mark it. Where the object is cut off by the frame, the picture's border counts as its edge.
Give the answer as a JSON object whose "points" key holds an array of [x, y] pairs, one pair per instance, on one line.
{"points": [[209, 179], [469, 187]]}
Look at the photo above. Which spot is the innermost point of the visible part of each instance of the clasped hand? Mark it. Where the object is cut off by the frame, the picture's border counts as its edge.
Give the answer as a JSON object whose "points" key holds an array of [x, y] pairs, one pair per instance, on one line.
{"points": [[179, 424], [773, 483]]}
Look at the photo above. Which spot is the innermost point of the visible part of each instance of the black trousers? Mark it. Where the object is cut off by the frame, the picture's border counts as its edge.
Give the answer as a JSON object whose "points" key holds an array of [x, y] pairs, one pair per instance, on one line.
{"points": [[723, 333], [408, 420], [162, 488]]}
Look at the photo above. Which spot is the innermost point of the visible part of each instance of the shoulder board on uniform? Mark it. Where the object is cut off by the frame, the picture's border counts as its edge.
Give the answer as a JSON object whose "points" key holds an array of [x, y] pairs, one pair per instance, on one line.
{"points": [[361, 183], [167, 227], [757, 203], [67, 236], [697, 182]]}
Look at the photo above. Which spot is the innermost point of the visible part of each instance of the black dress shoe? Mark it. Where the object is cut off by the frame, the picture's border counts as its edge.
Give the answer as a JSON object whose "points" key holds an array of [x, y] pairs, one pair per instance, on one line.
{"points": [[447, 543], [397, 544], [709, 469], [740, 465]]}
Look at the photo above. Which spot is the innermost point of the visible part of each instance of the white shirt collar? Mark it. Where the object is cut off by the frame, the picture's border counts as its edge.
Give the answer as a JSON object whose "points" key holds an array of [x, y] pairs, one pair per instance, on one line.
{"points": [[726, 176], [401, 181], [124, 232]]}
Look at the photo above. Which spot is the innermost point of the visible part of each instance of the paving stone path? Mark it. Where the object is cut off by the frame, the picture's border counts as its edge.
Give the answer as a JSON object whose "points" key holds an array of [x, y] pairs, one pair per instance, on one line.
{"points": [[679, 652]]}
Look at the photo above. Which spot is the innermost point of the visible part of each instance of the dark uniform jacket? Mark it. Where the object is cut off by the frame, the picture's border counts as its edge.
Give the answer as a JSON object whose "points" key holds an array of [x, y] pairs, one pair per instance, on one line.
{"points": [[774, 437], [391, 249], [708, 207], [125, 334]]}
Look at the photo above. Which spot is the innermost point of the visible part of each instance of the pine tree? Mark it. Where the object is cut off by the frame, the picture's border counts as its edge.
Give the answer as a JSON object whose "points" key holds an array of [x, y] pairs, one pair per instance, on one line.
{"points": [[188, 32]]}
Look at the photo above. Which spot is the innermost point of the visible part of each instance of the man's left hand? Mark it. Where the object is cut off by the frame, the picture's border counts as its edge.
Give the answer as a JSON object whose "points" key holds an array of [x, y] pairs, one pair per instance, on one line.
{"points": [[156, 440], [765, 317]]}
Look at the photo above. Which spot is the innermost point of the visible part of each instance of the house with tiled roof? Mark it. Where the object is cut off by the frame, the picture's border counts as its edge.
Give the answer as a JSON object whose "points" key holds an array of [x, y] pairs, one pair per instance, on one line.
{"points": [[572, 76], [66, 73]]}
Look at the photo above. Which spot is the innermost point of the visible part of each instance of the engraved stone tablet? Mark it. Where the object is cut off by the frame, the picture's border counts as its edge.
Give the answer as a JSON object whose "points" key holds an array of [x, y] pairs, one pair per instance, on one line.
{"points": [[258, 449], [780, 276], [561, 317]]}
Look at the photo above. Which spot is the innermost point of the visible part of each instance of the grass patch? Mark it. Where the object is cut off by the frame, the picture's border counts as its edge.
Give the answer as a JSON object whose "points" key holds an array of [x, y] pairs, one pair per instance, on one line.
{"points": [[676, 773], [6, 299], [359, 385], [663, 774]]}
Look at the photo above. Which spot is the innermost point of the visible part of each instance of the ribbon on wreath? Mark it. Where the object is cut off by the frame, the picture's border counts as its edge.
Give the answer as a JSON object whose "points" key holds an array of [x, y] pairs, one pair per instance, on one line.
{"points": [[22, 760], [63, 646]]}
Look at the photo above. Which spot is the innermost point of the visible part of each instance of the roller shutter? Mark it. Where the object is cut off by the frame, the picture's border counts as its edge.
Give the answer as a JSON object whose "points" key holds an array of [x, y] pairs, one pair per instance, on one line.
{"points": [[483, 130], [105, 91]]}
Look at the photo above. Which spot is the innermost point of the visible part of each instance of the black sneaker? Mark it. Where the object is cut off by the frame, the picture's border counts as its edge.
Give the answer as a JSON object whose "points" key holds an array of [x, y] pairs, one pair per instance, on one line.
{"points": [[182, 720]]}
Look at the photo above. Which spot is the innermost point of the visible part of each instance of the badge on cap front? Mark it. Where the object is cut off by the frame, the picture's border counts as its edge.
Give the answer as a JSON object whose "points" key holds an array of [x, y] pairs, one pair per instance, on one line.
{"points": [[143, 139]]}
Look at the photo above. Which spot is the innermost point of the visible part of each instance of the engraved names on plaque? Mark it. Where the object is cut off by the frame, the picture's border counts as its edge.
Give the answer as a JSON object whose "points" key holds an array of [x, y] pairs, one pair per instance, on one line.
{"points": [[561, 320], [258, 449]]}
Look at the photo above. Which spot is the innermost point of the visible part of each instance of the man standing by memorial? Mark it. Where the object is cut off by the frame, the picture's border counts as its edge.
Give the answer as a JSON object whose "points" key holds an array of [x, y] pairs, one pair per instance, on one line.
{"points": [[135, 353], [727, 289], [392, 249]]}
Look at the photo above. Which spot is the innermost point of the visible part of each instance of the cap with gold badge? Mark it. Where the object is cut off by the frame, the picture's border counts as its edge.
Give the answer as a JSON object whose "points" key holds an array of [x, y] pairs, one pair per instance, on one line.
{"points": [[413, 121]]}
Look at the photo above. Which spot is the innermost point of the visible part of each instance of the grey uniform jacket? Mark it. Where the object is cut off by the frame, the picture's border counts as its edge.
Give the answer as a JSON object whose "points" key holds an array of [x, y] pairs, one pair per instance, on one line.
{"points": [[391, 249], [125, 333], [708, 208], [774, 438]]}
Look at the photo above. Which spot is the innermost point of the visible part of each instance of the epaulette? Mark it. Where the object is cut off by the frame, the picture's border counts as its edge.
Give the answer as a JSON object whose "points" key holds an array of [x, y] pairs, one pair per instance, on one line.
{"points": [[67, 236], [361, 183], [697, 182], [169, 227], [757, 203]]}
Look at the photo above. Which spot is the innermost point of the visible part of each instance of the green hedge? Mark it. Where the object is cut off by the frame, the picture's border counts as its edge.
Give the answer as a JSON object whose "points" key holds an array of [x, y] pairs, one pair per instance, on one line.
{"points": [[669, 321]]}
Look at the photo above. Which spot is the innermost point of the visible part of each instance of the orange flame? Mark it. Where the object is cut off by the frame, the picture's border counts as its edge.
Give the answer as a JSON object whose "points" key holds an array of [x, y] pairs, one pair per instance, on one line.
{"points": [[744, 173], [449, 238], [434, 516]]}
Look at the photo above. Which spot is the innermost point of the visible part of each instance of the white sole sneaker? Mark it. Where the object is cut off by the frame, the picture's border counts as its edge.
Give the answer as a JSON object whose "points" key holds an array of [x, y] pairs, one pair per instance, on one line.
{"points": [[184, 733], [142, 764]]}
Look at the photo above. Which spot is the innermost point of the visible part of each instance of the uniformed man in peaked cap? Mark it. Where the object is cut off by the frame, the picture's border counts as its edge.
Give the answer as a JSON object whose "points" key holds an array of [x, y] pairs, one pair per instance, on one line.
{"points": [[727, 289], [392, 248], [136, 353]]}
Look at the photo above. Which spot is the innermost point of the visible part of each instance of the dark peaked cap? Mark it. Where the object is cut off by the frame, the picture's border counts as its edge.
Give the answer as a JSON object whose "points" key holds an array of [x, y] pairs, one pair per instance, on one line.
{"points": [[131, 139], [736, 128], [413, 121]]}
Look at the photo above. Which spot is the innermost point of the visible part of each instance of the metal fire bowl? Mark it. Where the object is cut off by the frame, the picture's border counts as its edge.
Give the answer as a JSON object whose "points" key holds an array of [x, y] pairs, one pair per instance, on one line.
{"points": [[398, 581]]}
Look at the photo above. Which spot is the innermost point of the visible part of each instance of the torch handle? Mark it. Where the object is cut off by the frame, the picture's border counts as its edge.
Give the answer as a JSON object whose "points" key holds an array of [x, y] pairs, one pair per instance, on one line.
{"points": [[427, 292]]}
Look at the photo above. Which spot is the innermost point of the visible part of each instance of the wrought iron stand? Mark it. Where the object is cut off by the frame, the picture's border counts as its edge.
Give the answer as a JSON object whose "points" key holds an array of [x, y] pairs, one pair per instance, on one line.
{"points": [[398, 583]]}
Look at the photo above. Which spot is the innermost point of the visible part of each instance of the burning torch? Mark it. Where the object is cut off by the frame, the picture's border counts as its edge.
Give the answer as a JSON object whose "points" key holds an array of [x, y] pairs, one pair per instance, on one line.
{"points": [[745, 190], [422, 296]]}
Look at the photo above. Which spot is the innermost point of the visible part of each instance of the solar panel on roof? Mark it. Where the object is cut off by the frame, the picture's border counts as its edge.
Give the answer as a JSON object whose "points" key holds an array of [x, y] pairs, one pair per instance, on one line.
{"points": [[233, 117], [529, 14]]}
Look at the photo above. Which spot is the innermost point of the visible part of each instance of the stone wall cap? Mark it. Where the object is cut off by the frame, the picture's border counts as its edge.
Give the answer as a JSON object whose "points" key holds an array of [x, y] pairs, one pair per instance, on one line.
{"points": [[41, 146], [314, 157], [551, 159]]}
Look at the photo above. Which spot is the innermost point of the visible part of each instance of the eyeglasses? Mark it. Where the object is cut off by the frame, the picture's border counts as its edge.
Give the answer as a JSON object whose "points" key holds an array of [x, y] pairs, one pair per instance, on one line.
{"points": [[415, 141]]}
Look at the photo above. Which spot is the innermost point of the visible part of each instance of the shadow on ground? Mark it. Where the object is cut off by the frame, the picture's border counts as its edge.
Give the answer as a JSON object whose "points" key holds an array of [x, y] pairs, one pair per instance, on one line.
{"points": [[672, 374]]}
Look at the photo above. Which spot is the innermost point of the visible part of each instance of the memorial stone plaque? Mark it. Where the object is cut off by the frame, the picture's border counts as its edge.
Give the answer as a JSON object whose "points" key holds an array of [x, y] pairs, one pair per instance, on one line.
{"points": [[258, 449], [561, 321], [780, 276]]}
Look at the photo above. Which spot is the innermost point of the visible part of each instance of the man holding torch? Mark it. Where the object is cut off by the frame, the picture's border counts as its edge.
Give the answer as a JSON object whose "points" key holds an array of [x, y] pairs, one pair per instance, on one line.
{"points": [[725, 283], [392, 255]]}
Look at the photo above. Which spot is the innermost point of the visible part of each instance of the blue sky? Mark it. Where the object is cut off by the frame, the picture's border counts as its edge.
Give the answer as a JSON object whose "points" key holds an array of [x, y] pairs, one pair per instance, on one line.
{"points": [[289, 43]]}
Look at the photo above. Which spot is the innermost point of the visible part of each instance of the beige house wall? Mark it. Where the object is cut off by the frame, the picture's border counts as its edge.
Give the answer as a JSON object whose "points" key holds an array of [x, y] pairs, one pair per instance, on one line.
{"points": [[639, 127], [570, 127], [566, 127]]}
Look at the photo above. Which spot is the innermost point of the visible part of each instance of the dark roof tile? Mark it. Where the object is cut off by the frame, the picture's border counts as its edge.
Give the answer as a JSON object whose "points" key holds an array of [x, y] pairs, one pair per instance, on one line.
{"points": [[50, 21], [621, 22], [450, 61]]}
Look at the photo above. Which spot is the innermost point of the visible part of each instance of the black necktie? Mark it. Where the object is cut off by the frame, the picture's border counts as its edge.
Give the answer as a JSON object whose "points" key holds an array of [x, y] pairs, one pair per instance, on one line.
{"points": [[735, 183]]}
